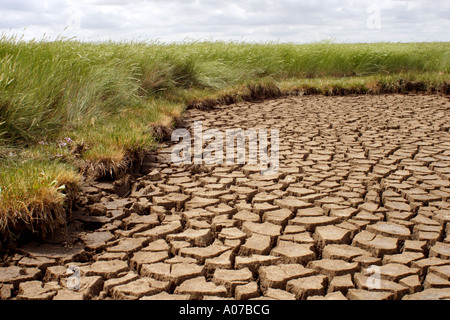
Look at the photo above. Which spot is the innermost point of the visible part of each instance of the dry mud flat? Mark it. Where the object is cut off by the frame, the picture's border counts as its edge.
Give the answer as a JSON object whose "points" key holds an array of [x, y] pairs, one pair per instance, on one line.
{"points": [[358, 210]]}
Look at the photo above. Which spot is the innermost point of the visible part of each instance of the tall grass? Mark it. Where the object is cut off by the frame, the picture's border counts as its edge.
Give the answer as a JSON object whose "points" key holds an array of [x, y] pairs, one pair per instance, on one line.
{"points": [[107, 96], [47, 87], [34, 196]]}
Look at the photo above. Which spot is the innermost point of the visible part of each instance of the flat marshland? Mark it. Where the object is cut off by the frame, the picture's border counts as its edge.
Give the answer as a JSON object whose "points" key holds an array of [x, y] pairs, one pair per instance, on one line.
{"points": [[69, 108]]}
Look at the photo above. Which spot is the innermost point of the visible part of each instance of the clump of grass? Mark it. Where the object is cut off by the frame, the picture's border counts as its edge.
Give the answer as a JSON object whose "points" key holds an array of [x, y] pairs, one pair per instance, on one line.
{"points": [[34, 196], [47, 87], [116, 100]]}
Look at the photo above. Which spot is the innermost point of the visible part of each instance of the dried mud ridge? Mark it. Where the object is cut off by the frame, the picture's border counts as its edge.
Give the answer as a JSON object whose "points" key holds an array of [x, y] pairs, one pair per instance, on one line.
{"points": [[364, 181]]}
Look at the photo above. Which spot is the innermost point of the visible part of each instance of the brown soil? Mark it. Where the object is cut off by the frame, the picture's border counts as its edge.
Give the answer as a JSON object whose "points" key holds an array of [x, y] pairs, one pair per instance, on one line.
{"points": [[364, 185]]}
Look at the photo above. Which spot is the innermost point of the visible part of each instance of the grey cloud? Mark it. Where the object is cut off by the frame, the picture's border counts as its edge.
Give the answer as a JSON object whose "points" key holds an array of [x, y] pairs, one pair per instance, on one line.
{"points": [[284, 20]]}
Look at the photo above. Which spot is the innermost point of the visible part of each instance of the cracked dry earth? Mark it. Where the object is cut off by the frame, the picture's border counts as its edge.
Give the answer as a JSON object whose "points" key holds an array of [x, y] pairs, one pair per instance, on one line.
{"points": [[358, 210]]}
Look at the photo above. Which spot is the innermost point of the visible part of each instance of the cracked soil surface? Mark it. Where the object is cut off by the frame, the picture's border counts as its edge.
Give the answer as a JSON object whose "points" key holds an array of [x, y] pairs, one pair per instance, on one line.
{"points": [[358, 210]]}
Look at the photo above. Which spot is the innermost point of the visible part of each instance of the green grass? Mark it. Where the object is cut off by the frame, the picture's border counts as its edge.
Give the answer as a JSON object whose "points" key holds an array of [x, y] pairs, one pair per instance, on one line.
{"points": [[111, 98], [34, 196]]}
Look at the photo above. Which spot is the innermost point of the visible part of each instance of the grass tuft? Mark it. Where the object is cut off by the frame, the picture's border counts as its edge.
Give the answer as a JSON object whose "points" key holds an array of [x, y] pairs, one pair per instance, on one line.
{"points": [[34, 197]]}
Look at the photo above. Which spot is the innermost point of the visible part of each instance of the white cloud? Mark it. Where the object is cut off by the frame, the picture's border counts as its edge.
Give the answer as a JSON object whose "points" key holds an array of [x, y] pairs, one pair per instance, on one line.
{"points": [[250, 20]]}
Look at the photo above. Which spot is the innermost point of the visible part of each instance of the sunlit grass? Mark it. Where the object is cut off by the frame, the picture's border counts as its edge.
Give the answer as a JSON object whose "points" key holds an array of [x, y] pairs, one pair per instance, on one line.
{"points": [[33, 196]]}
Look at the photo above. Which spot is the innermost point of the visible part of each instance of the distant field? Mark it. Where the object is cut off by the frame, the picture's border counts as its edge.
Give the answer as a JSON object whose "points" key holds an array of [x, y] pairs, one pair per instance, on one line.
{"points": [[68, 108]]}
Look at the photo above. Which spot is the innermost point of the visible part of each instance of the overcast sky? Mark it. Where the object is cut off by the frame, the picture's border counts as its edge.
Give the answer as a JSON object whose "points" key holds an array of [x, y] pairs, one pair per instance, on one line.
{"points": [[242, 20]]}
